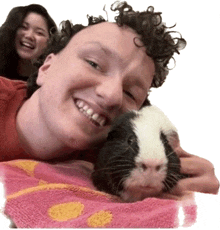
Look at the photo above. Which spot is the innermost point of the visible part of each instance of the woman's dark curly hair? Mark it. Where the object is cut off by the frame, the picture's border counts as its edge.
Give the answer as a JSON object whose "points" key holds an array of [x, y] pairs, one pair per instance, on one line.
{"points": [[159, 44], [8, 55]]}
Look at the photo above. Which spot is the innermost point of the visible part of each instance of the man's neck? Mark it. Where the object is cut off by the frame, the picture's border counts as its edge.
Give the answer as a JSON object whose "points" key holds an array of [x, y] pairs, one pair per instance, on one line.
{"points": [[33, 134]]}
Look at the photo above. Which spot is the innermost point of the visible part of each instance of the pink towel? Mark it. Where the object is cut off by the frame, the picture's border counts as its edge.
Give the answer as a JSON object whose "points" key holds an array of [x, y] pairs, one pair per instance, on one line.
{"points": [[42, 195]]}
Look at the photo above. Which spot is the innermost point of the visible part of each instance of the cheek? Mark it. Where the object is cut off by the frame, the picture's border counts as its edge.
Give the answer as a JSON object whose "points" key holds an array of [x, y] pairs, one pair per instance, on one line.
{"points": [[19, 33], [18, 38], [41, 43]]}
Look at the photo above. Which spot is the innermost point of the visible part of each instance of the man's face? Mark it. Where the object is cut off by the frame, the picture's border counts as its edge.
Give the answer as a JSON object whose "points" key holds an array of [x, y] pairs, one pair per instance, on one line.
{"points": [[99, 75]]}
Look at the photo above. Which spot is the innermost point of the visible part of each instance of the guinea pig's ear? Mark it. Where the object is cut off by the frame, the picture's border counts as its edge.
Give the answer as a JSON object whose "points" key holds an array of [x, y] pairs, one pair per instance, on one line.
{"points": [[173, 139], [110, 135], [116, 134]]}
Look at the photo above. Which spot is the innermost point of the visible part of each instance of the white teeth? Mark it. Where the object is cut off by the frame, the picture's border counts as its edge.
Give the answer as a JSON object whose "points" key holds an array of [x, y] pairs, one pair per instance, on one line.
{"points": [[95, 116], [89, 112], [102, 122], [84, 108], [80, 104], [28, 45]]}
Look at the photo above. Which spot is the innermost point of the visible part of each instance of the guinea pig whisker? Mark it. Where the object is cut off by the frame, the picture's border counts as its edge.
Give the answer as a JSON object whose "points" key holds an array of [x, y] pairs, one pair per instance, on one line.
{"points": [[129, 147], [173, 176], [113, 170], [118, 173], [120, 182], [166, 185], [169, 184], [121, 167], [171, 153], [118, 176], [179, 176], [123, 161], [174, 168], [115, 159], [117, 164], [174, 164], [171, 180]]}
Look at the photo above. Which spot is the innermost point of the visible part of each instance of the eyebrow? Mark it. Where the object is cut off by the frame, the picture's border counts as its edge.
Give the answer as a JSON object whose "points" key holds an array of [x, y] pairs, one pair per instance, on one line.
{"points": [[37, 28], [112, 53], [105, 49]]}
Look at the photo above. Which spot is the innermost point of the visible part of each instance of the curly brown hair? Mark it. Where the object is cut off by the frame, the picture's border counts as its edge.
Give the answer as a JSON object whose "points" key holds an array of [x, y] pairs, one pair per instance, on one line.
{"points": [[159, 43]]}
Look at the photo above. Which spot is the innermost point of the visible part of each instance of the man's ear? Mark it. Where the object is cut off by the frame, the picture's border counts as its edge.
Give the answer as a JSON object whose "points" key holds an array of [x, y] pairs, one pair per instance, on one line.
{"points": [[43, 70]]}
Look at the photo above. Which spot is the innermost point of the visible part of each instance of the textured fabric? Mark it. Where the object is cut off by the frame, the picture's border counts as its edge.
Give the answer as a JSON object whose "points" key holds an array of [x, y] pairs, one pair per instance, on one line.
{"points": [[42, 195], [12, 95]]}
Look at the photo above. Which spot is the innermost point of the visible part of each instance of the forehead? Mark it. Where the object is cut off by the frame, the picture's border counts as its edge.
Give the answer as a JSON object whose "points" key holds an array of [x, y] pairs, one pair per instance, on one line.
{"points": [[120, 39], [109, 31], [35, 19], [121, 43]]}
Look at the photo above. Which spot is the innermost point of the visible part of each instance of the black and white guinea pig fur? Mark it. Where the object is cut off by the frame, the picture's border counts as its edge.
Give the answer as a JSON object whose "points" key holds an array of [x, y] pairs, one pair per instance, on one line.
{"points": [[138, 160]]}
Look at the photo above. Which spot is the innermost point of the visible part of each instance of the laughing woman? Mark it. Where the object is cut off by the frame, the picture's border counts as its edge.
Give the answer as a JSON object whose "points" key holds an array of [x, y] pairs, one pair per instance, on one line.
{"points": [[23, 37]]}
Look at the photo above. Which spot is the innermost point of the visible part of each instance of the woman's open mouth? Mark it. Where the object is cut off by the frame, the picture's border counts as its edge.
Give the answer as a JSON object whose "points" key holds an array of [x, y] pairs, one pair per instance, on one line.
{"points": [[27, 45], [96, 118]]}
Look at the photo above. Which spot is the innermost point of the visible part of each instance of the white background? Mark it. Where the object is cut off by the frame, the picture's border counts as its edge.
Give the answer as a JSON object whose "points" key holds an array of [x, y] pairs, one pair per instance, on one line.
{"points": [[190, 96]]}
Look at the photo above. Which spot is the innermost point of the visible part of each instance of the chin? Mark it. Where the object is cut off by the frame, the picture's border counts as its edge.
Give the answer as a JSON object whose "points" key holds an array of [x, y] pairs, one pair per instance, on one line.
{"points": [[28, 56]]}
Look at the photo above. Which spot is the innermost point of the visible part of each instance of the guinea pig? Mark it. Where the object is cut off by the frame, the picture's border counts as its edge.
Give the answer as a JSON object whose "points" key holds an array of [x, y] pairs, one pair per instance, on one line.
{"points": [[138, 158]]}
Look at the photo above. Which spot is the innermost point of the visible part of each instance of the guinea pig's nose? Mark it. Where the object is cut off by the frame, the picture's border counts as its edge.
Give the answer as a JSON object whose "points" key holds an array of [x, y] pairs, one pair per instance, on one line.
{"points": [[143, 166], [154, 165]]}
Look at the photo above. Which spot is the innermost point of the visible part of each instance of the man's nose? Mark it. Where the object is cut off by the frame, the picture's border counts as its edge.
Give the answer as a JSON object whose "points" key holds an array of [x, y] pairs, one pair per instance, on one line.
{"points": [[110, 94]]}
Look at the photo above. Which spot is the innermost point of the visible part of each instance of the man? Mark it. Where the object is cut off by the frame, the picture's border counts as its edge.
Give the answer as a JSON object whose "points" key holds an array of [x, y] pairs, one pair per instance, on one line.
{"points": [[92, 75]]}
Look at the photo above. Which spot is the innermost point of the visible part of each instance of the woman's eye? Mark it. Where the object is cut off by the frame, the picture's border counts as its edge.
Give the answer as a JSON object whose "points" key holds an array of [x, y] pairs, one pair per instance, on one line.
{"points": [[41, 34], [23, 27]]}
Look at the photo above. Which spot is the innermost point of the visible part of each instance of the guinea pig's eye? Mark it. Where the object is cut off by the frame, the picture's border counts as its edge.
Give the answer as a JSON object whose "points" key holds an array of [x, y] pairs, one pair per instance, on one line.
{"points": [[131, 140]]}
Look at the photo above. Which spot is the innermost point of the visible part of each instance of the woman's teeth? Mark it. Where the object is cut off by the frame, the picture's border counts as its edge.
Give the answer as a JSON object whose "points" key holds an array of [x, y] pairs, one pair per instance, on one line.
{"points": [[95, 117], [28, 45]]}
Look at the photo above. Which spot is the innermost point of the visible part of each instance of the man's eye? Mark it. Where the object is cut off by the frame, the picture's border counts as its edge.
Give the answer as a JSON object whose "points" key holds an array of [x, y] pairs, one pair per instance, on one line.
{"points": [[93, 64], [130, 95]]}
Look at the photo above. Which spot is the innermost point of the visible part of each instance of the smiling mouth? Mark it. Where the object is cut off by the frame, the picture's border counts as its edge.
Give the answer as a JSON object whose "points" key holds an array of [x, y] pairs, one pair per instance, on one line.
{"points": [[96, 118], [28, 45]]}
